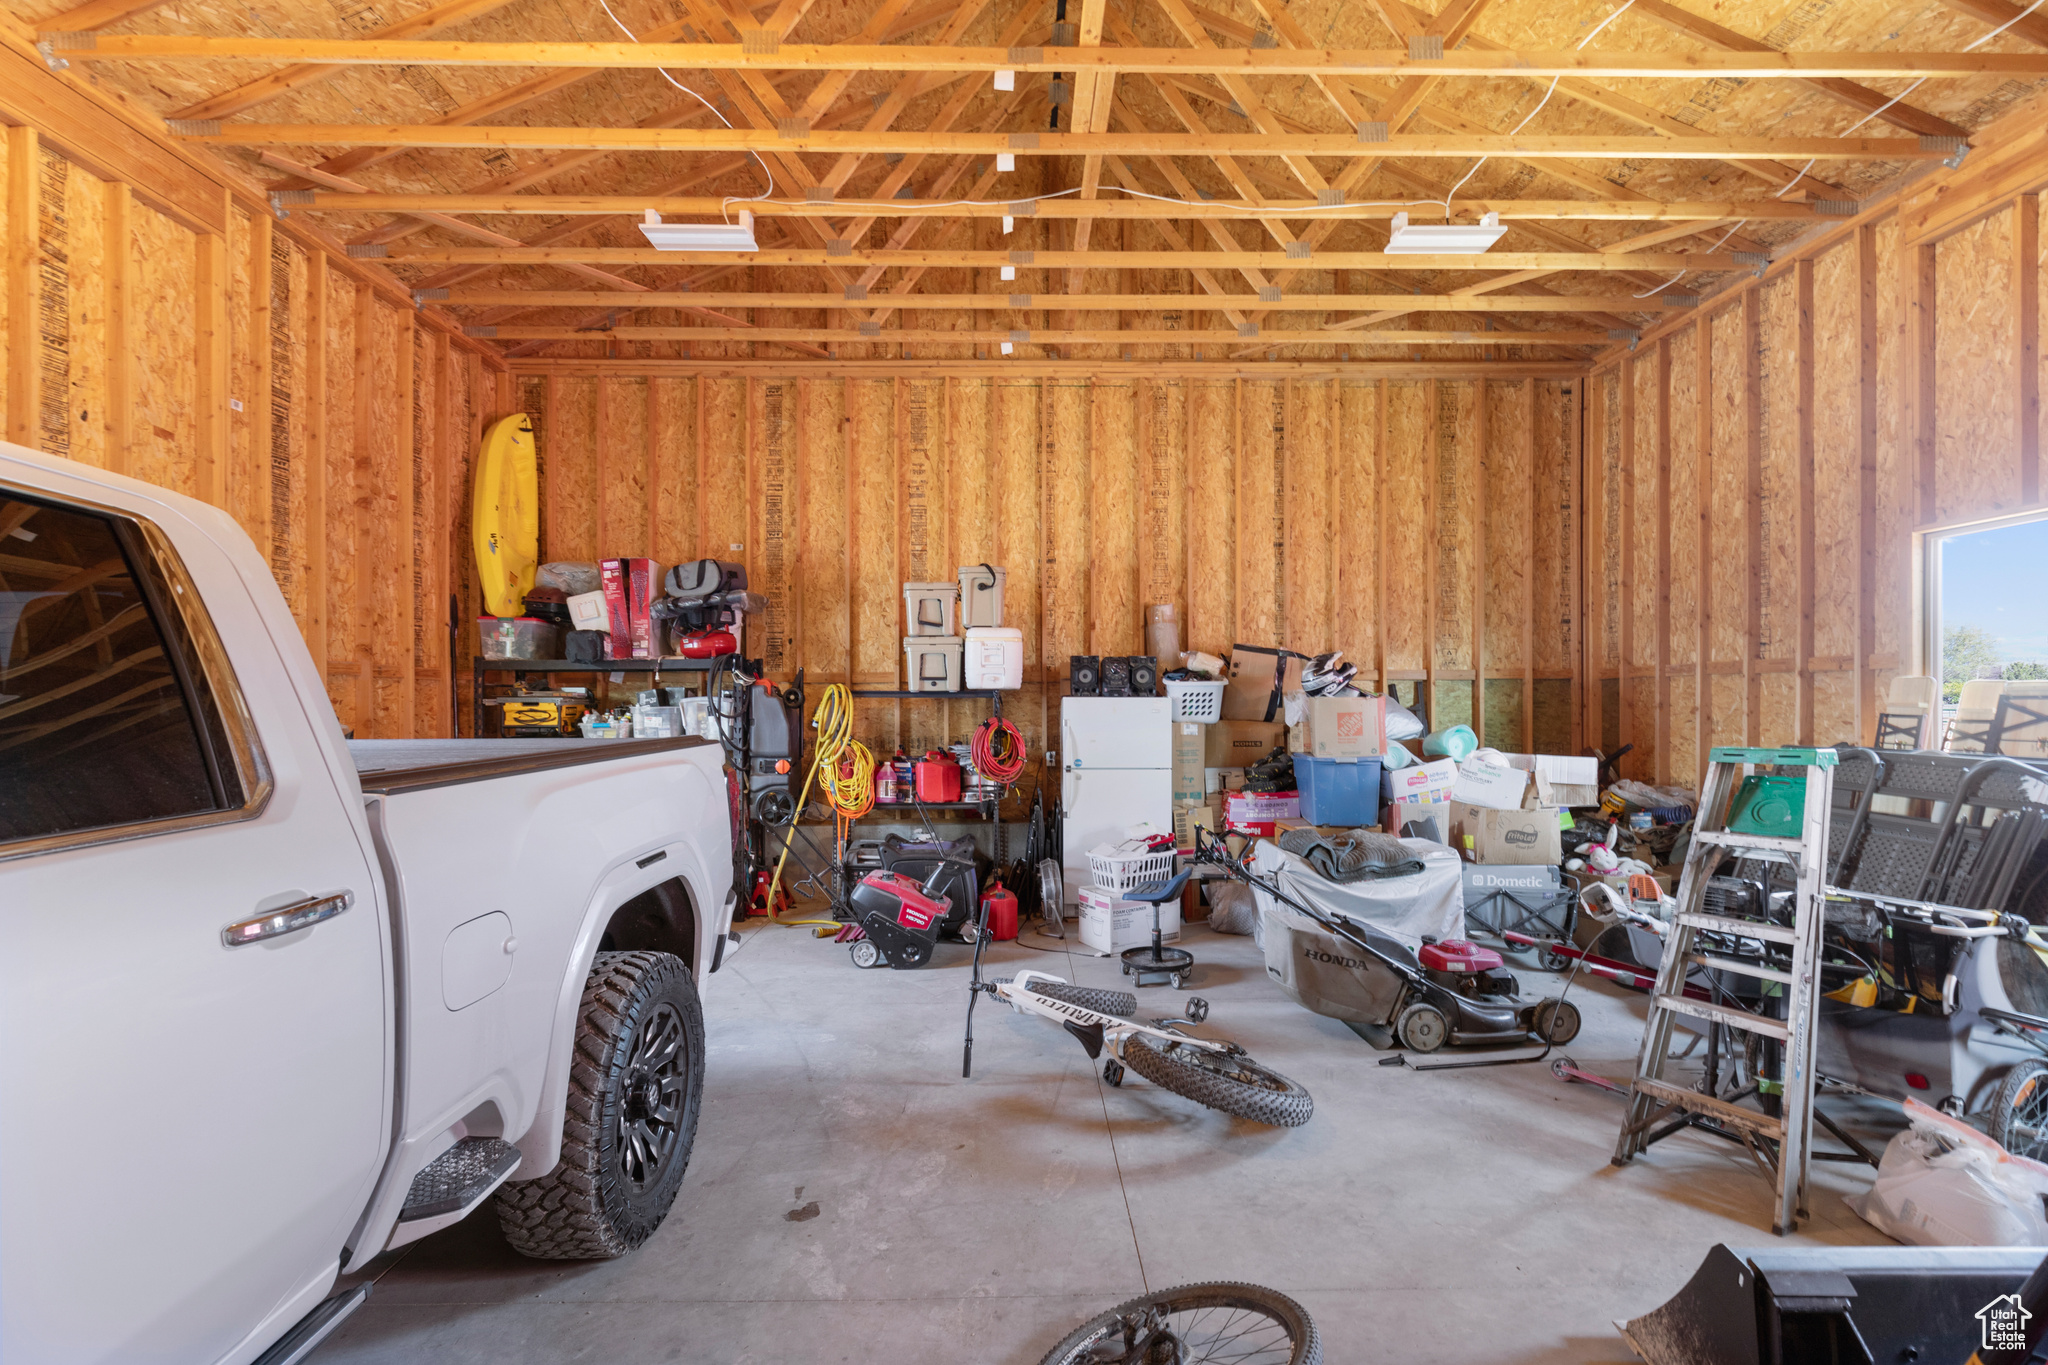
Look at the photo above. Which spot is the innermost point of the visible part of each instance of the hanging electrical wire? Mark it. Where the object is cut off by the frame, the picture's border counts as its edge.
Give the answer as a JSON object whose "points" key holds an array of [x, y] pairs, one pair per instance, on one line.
{"points": [[729, 199], [845, 766], [998, 751]]}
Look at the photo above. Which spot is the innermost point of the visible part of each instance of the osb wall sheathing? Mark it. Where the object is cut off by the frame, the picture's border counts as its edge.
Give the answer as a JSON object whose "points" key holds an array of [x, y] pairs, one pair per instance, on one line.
{"points": [[336, 430], [1318, 515], [1832, 434]]}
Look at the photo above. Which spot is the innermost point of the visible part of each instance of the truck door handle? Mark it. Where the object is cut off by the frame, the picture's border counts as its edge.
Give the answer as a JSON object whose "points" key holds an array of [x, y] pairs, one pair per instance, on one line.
{"points": [[287, 919]]}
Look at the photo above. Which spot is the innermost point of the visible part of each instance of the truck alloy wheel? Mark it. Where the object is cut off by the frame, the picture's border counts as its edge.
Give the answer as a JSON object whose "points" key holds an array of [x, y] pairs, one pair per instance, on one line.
{"points": [[635, 1082]]}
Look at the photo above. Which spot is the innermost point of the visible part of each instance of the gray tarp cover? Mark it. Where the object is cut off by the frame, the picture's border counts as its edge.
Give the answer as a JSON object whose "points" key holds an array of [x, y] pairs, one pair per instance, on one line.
{"points": [[1322, 972]]}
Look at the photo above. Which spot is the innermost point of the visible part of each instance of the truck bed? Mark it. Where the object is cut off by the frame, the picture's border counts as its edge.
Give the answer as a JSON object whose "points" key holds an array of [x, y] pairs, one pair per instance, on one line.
{"points": [[390, 766]]}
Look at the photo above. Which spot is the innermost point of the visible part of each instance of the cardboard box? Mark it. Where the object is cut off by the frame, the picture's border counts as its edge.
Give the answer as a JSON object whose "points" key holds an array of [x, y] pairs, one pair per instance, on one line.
{"points": [[1398, 813], [1345, 727], [1259, 676], [1418, 781], [1241, 743], [1255, 812], [1486, 835], [618, 642], [1560, 780], [1188, 816], [1189, 753], [1110, 924], [1216, 781], [1489, 784], [643, 577]]}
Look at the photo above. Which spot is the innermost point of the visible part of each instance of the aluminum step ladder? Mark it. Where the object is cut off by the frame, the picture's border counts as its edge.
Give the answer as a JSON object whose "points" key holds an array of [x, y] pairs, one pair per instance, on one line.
{"points": [[1781, 1143]]}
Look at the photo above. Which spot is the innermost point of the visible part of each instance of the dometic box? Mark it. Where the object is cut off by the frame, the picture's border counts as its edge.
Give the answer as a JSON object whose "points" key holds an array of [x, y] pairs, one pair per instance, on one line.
{"points": [[1110, 924], [1344, 727], [1485, 835], [1241, 743]]}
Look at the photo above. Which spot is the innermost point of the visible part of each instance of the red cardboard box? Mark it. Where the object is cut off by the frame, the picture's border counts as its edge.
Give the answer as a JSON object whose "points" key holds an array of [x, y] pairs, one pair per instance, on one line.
{"points": [[629, 587], [618, 642], [1255, 812]]}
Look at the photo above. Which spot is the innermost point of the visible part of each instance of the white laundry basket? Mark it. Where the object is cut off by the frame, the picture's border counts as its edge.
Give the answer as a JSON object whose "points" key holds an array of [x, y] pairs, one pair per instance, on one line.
{"points": [[1197, 701]]}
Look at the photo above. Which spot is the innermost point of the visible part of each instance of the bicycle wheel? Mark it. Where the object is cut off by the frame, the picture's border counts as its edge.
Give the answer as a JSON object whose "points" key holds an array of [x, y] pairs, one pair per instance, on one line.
{"points": [[2019, 1114], [1242, 1324], [1120, 1003], [1233, 1083]]}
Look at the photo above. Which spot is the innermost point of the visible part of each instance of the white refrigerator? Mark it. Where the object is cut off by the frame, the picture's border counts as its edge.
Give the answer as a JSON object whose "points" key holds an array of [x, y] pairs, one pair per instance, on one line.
{"points": [[1116, 768]]}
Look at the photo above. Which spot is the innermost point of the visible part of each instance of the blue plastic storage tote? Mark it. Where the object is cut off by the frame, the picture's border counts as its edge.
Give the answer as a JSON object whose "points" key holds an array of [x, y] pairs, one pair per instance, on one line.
{"points": [[1338, 791]]}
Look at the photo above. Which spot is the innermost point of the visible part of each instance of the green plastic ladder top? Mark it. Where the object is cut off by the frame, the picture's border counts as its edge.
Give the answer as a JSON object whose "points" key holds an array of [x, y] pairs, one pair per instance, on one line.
{"points": [[1791, 758]]}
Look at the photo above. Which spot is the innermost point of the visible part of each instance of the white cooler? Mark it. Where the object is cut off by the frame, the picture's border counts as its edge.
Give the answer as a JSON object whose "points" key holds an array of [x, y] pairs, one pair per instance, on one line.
{"points": [[995, 658]]}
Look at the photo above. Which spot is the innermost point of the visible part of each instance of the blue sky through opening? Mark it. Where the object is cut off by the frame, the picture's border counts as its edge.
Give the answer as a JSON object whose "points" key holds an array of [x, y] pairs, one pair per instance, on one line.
{"points": [[1993, 579]]}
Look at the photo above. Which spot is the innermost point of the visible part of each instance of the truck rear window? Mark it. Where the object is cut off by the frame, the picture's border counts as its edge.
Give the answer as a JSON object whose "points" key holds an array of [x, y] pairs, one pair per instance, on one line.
{"points": [[97, 722]]}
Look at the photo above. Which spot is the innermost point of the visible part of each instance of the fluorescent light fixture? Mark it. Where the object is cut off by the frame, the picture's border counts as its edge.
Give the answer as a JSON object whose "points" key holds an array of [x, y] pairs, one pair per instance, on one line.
{"points": [[699, 236], [1009, 272], [1006, 80], [1444, 239], [1006, 161]]}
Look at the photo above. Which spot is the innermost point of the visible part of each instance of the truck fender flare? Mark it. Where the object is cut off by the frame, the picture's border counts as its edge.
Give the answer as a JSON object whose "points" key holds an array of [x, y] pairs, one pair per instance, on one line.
{"points": [[540, 1147]]}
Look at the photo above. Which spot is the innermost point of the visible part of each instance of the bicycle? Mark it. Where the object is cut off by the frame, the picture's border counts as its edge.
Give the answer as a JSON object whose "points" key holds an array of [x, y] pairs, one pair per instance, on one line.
{"points": [[1217, 1074], [1196, 1324]]}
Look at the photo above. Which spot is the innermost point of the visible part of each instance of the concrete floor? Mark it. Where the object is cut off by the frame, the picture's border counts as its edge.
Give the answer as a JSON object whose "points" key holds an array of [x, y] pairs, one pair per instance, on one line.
{"points": [[851, 1198]]}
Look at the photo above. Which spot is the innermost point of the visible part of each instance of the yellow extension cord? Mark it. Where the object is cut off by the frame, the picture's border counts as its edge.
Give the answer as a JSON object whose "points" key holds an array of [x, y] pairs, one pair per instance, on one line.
{"points": [[852, 794]]}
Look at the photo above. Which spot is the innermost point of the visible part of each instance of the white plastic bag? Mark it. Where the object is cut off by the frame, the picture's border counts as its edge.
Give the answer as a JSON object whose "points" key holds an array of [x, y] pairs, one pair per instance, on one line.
{"points": [[1943, 1183]]}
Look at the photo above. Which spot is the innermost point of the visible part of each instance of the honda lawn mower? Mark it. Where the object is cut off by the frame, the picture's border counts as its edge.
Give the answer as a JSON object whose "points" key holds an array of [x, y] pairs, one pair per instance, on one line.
{"points": [[1451, 991]]}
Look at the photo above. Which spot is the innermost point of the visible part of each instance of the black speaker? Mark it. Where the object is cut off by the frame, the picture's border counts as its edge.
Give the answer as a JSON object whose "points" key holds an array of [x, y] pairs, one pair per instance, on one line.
{"points": [[1144, 675], [1084, 675], [1116, 676]]}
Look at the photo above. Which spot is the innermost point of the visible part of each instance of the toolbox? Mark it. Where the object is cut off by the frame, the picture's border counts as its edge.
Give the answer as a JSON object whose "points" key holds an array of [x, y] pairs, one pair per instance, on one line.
{"points": [[535, 716]]}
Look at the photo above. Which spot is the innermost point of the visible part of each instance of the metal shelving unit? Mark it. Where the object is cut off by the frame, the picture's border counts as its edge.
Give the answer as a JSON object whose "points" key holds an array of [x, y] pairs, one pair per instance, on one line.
{"points": [[653, 667]]}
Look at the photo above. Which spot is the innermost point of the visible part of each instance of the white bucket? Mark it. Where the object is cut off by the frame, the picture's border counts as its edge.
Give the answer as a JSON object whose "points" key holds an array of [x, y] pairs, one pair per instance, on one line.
{"points": [[995, 658]]}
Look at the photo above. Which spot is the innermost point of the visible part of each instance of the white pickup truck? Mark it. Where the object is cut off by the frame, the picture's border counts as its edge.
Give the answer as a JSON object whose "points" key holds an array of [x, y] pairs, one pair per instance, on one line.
{"points": [[272, 1001]]}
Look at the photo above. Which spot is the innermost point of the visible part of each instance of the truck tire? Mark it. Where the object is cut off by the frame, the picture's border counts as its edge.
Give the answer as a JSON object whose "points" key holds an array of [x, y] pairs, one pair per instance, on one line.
{"points": [[636, 1077]]}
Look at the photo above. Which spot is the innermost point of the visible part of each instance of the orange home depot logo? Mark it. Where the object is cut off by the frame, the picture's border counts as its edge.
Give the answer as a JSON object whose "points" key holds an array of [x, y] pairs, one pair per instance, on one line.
{"points": [[1351, 725]]}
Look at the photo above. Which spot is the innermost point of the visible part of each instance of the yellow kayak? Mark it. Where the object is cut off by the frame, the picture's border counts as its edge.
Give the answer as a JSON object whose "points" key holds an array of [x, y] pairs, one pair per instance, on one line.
{"points": [[505, 520]]}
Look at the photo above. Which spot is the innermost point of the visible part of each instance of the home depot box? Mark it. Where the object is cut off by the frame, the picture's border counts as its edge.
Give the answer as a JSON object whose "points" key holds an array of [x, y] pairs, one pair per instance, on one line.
{"points": [[1419, 781], [1241, 743], [1559, 779], [1399, 814], [1255, 812], [1485, 835], [1189, 756], [1110, 924], [1344, 727]]}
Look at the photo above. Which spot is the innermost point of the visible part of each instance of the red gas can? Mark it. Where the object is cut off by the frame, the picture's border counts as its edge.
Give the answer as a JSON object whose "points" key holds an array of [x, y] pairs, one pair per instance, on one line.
{"points": [[938, 777], [1459, 955], [1000, 903]]}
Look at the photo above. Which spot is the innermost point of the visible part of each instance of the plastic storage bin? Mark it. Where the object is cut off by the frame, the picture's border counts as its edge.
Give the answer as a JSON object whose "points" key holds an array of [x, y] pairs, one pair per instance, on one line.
{"points": [[930, 609], [981, 595], [1196, 701], [1337, 791], [932, 663], [1120, 872], [994, 657], [518, 637]]}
